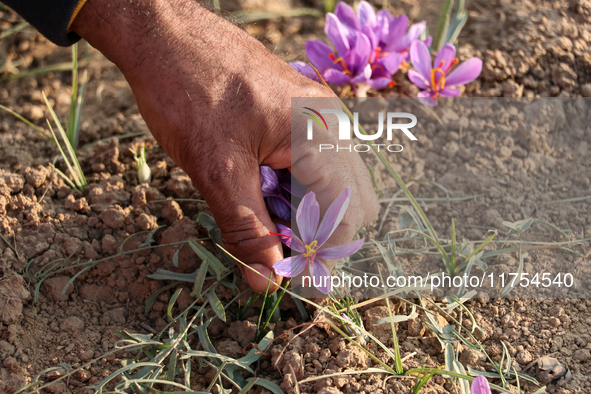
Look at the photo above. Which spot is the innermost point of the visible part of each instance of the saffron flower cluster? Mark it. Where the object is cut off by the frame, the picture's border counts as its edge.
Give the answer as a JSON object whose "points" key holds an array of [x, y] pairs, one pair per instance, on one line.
{"points": [[369, 47], [480, 386], [313, 234]]}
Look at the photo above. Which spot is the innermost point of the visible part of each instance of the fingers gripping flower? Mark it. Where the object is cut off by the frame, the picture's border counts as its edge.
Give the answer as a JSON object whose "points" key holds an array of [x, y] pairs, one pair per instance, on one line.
{"points": [[312, 237], [480, 386], [438, 79]]}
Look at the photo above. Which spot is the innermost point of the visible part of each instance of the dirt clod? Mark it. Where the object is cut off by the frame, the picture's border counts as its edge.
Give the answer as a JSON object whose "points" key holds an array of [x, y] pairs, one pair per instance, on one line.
{"points": [[229, 348], [12, 294], [54, 286], [114, 217], [114, 316], [582, 355], [72, 324], [242, 331]]}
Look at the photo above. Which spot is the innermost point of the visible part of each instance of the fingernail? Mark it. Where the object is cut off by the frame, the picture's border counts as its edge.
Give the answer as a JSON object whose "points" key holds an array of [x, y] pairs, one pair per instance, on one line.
{"points": [[259, 282]]}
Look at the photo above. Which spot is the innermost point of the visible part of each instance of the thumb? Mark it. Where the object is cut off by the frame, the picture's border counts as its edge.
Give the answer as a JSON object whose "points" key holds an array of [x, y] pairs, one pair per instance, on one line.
{"points": [[233, 192]]}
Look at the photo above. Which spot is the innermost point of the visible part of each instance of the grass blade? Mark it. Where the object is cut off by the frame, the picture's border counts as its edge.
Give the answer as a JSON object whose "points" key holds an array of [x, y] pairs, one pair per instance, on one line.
{"points": [[78, 176], [27, 122], [171, 303], [267, 384], [200, 280], [443, 25], [74, 97], [216, 304]]}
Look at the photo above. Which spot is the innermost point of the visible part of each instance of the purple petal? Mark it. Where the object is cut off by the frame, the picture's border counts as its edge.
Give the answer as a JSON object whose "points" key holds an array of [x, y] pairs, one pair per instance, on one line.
{"points": [[364, 76], [421, 59], [335, 76], [305, 69], [319, 272], [333, 216], [367, 15], [269, 181], [384, 16], [415, 31], [295, 243], [480, 385], [446, 55], [290, 266], [391, 62], [379, 82], [418, 79], [359, 55], [466, 72], [396, 30], [280, 208], [337, 34], [427, 41], [426, 97], [383, 20], [369, 33], [318, 52], [346, 15], [307, 217], [449, 92], [341, 251]]}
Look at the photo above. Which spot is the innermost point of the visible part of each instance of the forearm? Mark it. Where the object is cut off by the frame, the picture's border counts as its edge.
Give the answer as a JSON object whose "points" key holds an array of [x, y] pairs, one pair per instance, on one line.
{"points": [[164, 47]]}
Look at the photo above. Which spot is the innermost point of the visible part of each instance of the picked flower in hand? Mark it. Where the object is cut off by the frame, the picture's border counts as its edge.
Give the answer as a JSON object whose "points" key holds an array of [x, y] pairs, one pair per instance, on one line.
{"points": [[437, 80], [276, 185], [312, 237]]}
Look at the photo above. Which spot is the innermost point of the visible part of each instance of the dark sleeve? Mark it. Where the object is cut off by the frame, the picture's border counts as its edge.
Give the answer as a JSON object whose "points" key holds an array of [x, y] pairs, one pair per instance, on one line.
{"points": [[50, 17]]}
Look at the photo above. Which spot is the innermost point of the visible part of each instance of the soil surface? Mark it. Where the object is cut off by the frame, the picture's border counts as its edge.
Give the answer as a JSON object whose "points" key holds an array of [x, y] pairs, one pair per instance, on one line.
{"points": [[530, 48]]}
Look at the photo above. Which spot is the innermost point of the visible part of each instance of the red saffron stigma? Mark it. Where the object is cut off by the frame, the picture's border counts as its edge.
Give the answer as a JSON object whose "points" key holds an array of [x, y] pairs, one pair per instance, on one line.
{"points": [[286, 236], [392, 83], [451, 65]]}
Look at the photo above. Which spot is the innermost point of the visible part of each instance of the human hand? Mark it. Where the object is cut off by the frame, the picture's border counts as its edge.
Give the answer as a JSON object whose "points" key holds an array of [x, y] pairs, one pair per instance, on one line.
{"points": [[219, 103]]}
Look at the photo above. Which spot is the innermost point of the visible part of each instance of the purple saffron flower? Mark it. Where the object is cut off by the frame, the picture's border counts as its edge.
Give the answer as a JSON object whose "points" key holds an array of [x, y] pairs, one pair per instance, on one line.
{"points": [[276, 190], [436, 79], [313, 236], [352, 329], [350, 63], [480, 386]]}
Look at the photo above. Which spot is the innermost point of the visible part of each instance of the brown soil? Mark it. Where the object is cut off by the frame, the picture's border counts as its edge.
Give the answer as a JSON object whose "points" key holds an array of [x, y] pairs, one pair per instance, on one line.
{"points": [[530, 48]]}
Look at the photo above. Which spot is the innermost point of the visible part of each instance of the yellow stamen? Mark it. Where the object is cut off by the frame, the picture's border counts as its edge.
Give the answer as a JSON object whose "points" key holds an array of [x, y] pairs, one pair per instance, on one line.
{"points": [[310, 249]]}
